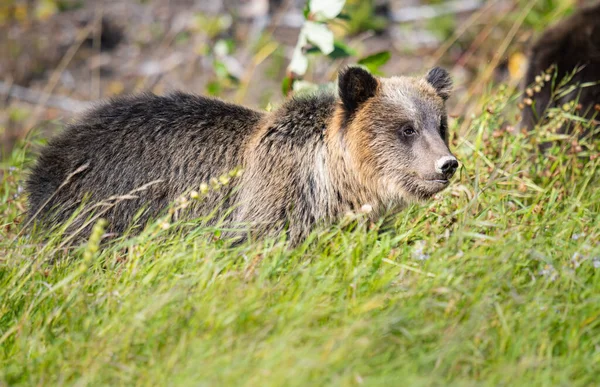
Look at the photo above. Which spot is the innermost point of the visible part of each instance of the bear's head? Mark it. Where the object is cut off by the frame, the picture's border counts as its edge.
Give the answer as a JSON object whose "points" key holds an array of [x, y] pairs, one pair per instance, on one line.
{"points": [[395, 132]]}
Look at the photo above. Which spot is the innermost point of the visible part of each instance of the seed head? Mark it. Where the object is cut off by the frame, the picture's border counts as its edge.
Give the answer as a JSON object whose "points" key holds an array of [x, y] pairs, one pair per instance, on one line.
{"points": [[224, 179], [236, 172], [366, 208], [203, 188]]}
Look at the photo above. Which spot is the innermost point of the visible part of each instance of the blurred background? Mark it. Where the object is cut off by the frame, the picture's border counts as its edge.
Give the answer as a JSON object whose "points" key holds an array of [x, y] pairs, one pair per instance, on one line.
{"points": [[57, 56]]}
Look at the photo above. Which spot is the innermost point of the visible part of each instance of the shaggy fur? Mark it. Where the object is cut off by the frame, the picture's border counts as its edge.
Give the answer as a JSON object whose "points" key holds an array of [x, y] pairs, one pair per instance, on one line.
{"points": [[571, 43], [306, 163]]}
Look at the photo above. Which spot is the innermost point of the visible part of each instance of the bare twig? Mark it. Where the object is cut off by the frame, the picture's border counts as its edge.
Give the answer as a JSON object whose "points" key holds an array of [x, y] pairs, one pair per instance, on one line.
{"points": [[55, 77], [263, 54], [412, 14], [484, 77], [458, 33], [40, 98], [95, 78]]}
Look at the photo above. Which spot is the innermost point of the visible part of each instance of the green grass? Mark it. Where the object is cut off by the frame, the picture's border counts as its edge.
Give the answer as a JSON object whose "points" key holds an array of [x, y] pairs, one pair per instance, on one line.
{"points": [[495, 282]]}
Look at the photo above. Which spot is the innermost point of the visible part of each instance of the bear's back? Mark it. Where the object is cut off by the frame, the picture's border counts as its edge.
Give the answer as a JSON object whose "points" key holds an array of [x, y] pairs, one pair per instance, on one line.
{"points": [[180, 140]]}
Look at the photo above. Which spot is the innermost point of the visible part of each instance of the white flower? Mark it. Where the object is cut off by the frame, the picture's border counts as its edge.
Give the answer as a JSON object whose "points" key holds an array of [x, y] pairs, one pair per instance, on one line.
{"points": [[418, 251], [549, 271], [576, 259]]}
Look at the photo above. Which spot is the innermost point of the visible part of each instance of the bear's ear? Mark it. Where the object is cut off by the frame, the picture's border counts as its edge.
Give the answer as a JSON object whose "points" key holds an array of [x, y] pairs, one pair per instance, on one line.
{"points": [[441, 82], [356, 85]]}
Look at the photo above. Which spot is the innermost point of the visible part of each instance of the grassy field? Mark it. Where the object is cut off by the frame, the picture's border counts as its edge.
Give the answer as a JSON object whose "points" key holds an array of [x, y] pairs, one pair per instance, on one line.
{"points": [[496, 281]]}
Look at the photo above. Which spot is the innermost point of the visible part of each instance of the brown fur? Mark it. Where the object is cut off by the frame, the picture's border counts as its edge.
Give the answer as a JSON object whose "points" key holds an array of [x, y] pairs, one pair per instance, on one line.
{"points": [[568, 45], [306, 163]]}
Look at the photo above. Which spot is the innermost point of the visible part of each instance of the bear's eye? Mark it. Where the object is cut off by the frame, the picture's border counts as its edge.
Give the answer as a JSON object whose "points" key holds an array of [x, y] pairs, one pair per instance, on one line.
{"points": [[408, 131]]}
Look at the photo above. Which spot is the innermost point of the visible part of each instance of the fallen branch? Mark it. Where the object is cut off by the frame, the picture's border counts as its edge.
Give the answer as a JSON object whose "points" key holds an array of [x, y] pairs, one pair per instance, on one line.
{"points": [[413, 14], [37, 97]]}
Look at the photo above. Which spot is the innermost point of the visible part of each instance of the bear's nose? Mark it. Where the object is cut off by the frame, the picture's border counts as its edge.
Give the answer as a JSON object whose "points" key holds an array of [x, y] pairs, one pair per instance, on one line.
{"points": [[446, 165]]}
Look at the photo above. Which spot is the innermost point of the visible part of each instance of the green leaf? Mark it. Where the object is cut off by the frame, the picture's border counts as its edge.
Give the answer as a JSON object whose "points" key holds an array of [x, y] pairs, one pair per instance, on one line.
{"points": [[344, 16], [326, 9], [220, 69], [306, 11], [375, 61], [286, 85], [213, 88], [182, 38], [340, 50], [233, 79]]}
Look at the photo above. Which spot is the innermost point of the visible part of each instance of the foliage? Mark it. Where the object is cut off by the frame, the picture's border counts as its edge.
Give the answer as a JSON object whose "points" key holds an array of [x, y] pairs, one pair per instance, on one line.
{"points": [[546, 11], [24, 12], [316, 37], [362, 17], [443, 26], [314, 31], [496, 280], [375, 61]]}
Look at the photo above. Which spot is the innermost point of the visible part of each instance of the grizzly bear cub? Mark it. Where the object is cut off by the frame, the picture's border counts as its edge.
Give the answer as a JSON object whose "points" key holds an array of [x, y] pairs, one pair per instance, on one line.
{"points": [[380, 142]]}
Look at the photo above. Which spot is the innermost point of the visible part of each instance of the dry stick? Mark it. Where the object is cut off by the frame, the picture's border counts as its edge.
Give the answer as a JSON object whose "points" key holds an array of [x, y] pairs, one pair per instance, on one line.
{"points": [[411, 14], [481, 37], [36, 97], [265, 53], [159, 52], [96, 46], [107, 204], [260, 57], [437, 55], [55, 77], [485, 76]]}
